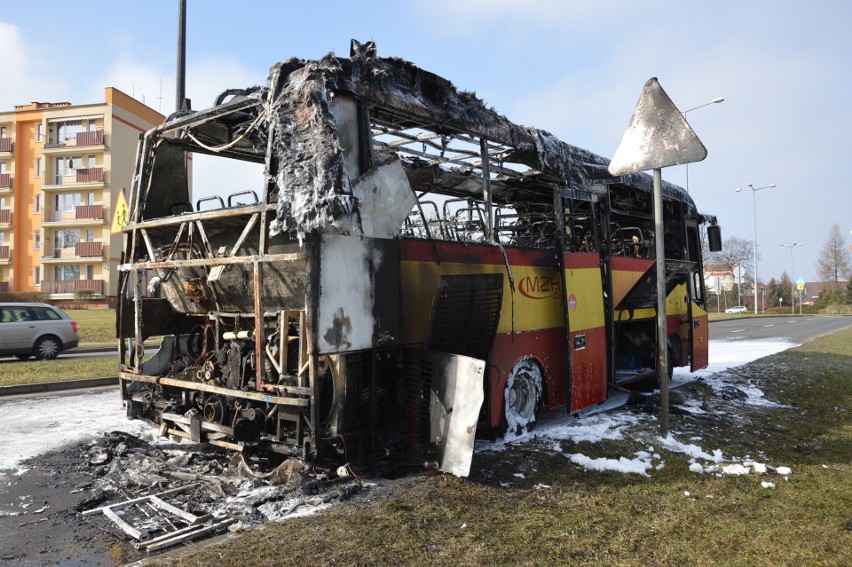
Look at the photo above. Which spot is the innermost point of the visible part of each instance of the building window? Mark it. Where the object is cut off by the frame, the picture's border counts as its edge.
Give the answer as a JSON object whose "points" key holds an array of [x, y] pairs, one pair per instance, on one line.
{"points": [[66, 273], [67, 238], [90, 272], [90, 198], [37, 240], [39, 132], [37, 204], [67, 131], [93, 162], [67, 166], [90, 235], [2, 131], [38, 167], [67, 201], [2, 238], [37, 275]]}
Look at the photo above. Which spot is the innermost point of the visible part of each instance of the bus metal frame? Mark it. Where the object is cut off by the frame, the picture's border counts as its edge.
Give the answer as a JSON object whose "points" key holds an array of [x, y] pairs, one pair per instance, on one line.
{"points": [[412, 252]]}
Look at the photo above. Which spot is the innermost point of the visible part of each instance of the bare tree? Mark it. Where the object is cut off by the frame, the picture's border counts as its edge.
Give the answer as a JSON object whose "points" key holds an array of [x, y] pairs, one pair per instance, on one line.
{"points": [[735, 252], [834, 260]]}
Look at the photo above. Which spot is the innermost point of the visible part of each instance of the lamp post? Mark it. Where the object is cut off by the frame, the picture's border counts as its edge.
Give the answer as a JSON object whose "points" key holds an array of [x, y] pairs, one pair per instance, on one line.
{"points": [[716, 100], [754, 191], [792, 276]]}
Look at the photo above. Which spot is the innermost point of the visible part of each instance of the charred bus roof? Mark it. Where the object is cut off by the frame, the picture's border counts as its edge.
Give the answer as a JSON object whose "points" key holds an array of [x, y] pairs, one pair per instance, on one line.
{"points": [[434, 128]]}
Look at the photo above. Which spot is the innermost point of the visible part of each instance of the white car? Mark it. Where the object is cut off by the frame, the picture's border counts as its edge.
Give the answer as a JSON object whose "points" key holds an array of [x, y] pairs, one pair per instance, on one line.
{"points": [[35, 329], [737, 309]]}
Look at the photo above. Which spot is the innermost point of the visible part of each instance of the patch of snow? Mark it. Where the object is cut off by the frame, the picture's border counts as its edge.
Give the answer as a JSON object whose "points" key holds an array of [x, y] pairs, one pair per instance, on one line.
{"points": [[765, 484], [691, 406], [735, 469], [622, 464], [592, 429], [693, 451], [783, 471], [69, 418]]}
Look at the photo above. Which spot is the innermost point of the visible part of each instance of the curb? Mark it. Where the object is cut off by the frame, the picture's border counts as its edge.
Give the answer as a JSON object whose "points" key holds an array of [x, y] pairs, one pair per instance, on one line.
{"points": [[19, 389]]}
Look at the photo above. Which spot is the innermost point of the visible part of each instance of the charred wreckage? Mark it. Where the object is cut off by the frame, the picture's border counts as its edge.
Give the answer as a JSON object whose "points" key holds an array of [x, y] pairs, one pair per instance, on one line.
{"points": [[353, 304]]}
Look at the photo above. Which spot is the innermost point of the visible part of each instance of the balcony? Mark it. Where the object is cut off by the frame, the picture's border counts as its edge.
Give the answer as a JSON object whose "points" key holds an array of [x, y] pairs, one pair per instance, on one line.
{"points": [[89, 249], [81, 215], [72, 286], [5, 181], [5, 218], [7, 145], [81, 251], [92, 177], [84, 212], [81, 139], [4, 254], [4, 287]]}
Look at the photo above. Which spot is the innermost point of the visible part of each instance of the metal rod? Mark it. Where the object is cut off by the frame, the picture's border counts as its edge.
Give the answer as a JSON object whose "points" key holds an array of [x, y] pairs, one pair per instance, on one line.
{"points": [[662, 354], [754, 247], [486, 189], [180, 93]]}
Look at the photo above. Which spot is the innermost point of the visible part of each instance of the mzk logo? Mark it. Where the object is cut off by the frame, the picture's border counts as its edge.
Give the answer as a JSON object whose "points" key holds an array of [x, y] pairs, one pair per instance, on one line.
{"points": [[540, 287]]}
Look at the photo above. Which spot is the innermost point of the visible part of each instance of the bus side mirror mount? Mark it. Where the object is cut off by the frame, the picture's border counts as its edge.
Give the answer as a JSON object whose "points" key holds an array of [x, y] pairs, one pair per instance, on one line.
{"points": [[714, 237]]}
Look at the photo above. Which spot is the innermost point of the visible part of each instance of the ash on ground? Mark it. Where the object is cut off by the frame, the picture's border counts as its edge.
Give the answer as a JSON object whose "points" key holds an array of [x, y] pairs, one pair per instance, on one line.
{"points": [[249, 489]]}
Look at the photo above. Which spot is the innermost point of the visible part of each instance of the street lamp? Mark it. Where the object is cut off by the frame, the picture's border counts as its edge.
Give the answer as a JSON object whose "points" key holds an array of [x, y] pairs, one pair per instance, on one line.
{"points": [[716, 100], [792, 277], [754, 191]]}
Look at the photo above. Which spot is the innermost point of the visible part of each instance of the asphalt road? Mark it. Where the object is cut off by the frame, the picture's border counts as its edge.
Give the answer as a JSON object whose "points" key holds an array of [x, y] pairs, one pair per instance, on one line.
{"points": [[798, 329], [83, 354]]}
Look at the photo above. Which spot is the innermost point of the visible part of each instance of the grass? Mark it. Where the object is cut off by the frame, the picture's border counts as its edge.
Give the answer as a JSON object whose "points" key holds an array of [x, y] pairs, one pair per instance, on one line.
{"points": [[95, 326], [57, 370], [562, 514]]}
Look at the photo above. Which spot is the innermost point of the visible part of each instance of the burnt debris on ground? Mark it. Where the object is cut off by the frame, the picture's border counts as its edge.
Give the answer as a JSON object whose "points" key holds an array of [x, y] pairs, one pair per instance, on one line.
{"points": [[205, 490]]}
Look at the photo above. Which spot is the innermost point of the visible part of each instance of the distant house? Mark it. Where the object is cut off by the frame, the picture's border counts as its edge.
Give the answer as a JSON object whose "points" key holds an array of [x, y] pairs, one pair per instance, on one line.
{"points": [[718, 278], [813, 289]]}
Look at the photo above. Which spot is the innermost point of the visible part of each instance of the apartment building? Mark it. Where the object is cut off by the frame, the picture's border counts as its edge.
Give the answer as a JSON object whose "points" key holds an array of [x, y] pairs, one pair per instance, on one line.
{"points": [[62, 167]]}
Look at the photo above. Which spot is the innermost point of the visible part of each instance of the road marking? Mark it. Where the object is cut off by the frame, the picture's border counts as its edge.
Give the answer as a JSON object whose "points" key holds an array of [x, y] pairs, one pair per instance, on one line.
{"points": [[765, 326], [737, 330]]}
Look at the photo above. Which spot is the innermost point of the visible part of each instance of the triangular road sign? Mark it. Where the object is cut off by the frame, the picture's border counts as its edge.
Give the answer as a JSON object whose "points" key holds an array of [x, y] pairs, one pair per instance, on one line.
{"points": [[657, 135], [120, 216]]}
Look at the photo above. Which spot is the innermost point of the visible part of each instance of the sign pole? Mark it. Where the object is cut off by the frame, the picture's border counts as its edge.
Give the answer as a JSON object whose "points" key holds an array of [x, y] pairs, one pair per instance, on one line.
{"points": [[657, 136], [662, 332]]}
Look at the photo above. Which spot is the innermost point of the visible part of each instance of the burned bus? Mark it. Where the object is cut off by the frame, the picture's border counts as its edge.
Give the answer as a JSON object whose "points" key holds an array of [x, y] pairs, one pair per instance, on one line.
{"points": [[413, 269]]}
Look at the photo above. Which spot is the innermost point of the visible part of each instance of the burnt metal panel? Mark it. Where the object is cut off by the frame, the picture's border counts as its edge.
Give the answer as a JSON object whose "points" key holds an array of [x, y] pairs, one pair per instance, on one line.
{"points": [[359, 296], [168, 186], [643, 294], [465, 313], [444, 394], [158, 318], [387, 325]]}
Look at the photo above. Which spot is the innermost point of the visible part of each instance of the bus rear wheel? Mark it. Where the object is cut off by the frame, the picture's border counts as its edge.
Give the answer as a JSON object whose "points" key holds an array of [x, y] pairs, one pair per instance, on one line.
{"points": [[522, 398]]}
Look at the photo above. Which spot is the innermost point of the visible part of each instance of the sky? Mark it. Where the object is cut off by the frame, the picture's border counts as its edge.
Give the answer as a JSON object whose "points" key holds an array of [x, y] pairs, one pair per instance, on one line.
{"points": [[573, 68]]}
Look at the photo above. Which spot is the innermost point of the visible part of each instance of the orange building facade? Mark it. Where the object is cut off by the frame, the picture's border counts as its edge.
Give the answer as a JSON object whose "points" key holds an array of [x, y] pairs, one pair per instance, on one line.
{"points": [[62, 167]]}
